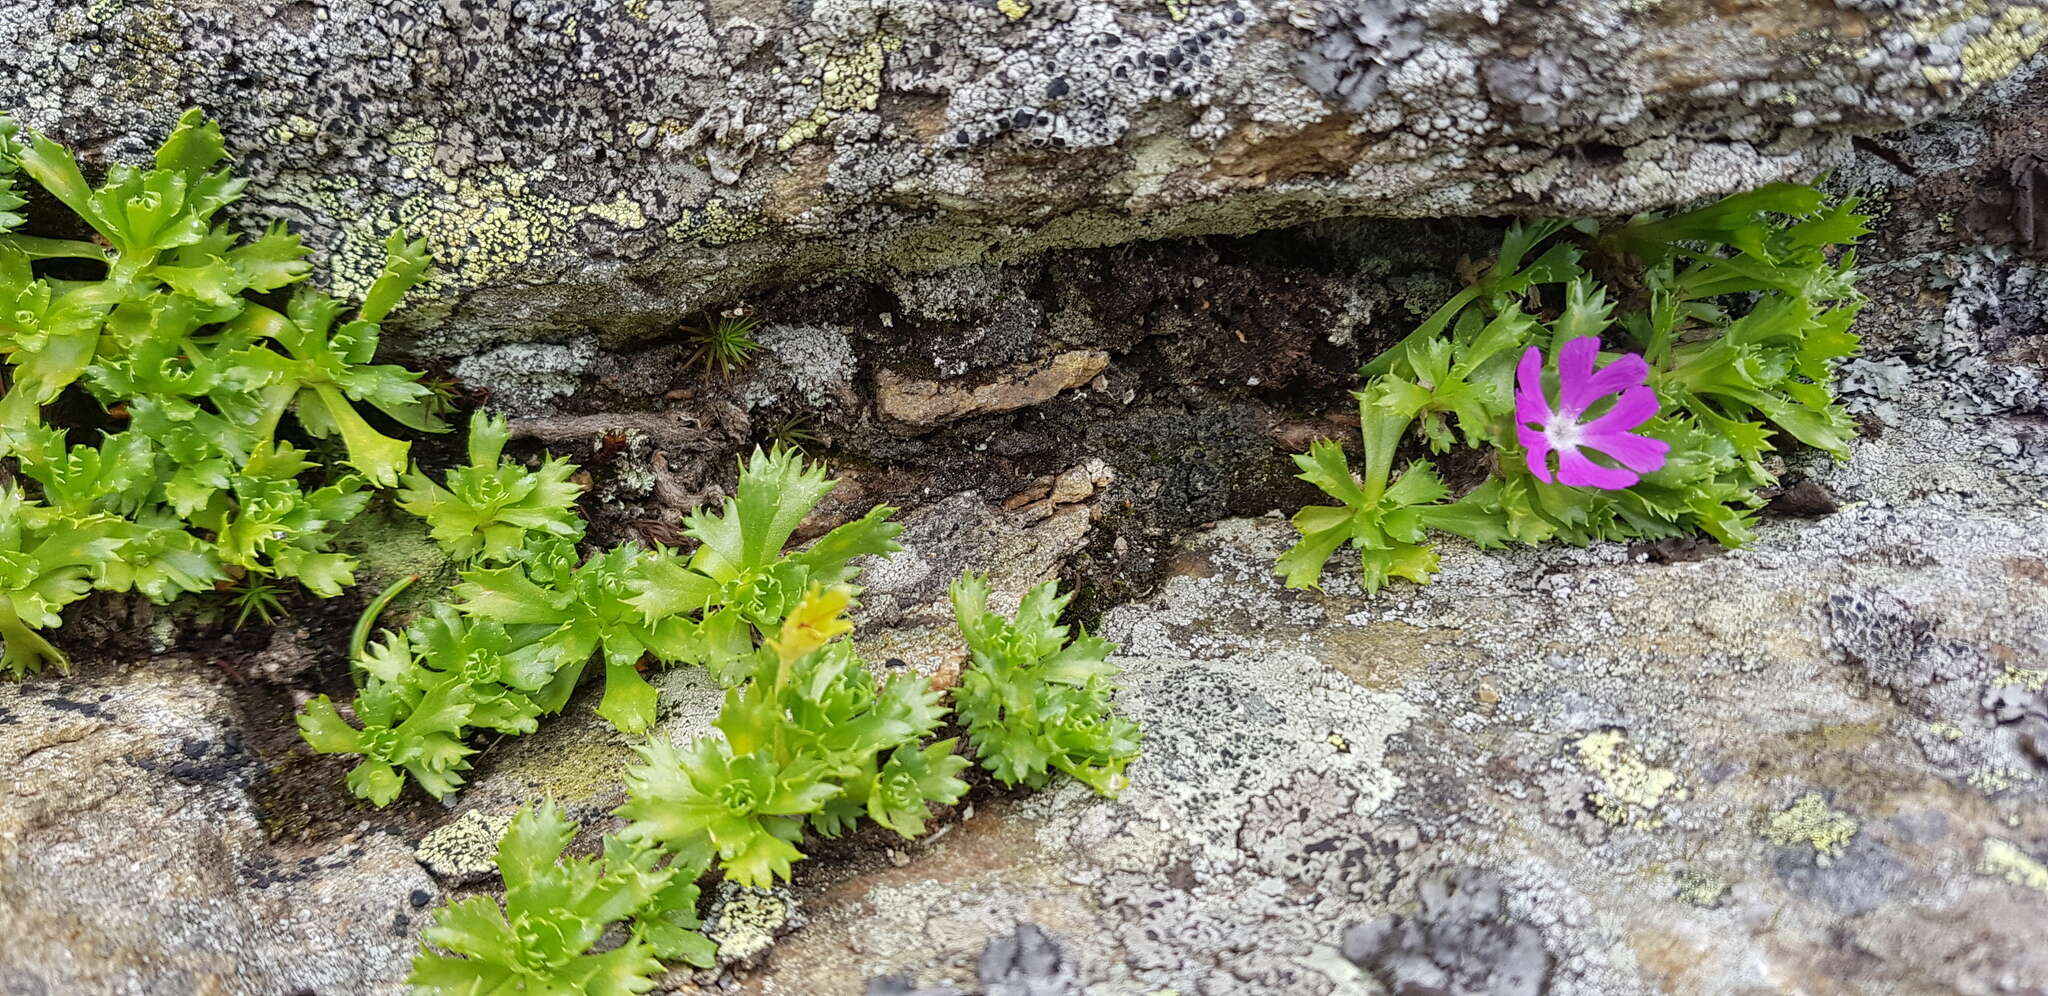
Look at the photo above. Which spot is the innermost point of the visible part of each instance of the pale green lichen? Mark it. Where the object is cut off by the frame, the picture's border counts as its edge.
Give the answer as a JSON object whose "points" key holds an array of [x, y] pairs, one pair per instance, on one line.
{"points": [[1809, 821], [847, 81], [464, 849], [715, 224], [483, 222], [2032, 679], [1013, 9], [1630, 788], [2007, 861], [1992, 781], [1701, 889], [2013, 39], [744, 922]]}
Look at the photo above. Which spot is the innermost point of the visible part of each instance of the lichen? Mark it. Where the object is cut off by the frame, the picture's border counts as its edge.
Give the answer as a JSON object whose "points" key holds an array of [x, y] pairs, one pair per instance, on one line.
{"points": [[745, 922], [715, 223], [1631, 789], [1809, 821], [848, 79], [1702, 889], [464, 850], [2005, 860]]}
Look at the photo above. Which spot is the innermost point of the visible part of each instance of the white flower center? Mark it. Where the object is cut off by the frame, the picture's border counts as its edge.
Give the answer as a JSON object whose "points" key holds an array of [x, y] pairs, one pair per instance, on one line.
{"points": [[1564, 432]]}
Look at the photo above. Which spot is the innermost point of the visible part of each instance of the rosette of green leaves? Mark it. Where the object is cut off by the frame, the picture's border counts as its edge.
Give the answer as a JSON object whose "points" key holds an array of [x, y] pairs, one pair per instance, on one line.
{"points": [[405, 727], [48, 559], [1746, 315], [574, 611], [810, 738], [490, 509], [1385, 519], [556, 911], [1032, 700], [325, 369], [158, 557], [425, 690], [159, 240], [267, 523], [738, 578]]}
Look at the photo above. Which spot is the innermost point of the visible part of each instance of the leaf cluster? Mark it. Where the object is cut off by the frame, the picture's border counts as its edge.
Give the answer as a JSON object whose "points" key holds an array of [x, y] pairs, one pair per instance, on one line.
{"points": [[1034, 701], [1742, 310], [544, 939], [159, 323], [490, 510], [529, 618], [811, 741]]}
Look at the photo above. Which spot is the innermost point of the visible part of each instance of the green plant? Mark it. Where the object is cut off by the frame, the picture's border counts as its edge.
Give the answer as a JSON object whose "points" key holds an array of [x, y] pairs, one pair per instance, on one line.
{"points": [[1738, 316], [571, 611], [556, 912], [48, 559], [490, 508], [1032, 701], [162, 323], [738, 578], [255, 598], [810, 740], [726, 343]]}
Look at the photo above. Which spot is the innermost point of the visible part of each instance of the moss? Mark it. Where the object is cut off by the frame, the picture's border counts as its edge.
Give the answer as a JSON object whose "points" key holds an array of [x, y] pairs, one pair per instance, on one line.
{"points": [[1630, 789], [2003, 859], [1809, 821]]}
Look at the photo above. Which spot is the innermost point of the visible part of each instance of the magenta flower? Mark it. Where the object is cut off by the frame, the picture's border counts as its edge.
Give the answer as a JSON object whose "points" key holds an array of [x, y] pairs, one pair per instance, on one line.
{"points": [[1543, 427]]}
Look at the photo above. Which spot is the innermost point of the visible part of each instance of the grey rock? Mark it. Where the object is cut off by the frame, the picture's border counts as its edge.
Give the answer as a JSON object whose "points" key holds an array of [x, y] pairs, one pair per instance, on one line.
{"points": [[1461, 943], [618, 167]]}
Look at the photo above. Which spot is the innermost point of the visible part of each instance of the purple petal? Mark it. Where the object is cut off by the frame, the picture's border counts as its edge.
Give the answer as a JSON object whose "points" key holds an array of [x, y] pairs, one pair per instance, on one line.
{"points": [[1636, 406], [1574, 469], [1575, 374], [1629, 371], [1641, 454], [1530, 404], [1538, 446]]}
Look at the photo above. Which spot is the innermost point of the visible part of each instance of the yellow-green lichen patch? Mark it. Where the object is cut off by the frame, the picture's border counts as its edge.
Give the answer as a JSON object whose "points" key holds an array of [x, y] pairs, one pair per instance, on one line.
{"points": [[2013, 39], [2032, 679], [1809, 821], [715, 224], [1630, 788], [1178, 9], [1013, 9], [464, 850], [482, 222], [1701, 889], [847, 81], [2007, 861], [1992, 781]]}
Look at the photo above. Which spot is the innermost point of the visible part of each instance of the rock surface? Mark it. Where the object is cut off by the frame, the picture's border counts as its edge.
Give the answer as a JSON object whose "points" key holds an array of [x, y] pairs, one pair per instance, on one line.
{"points": [[134, 859], [616, 166], [1817, 765]]}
